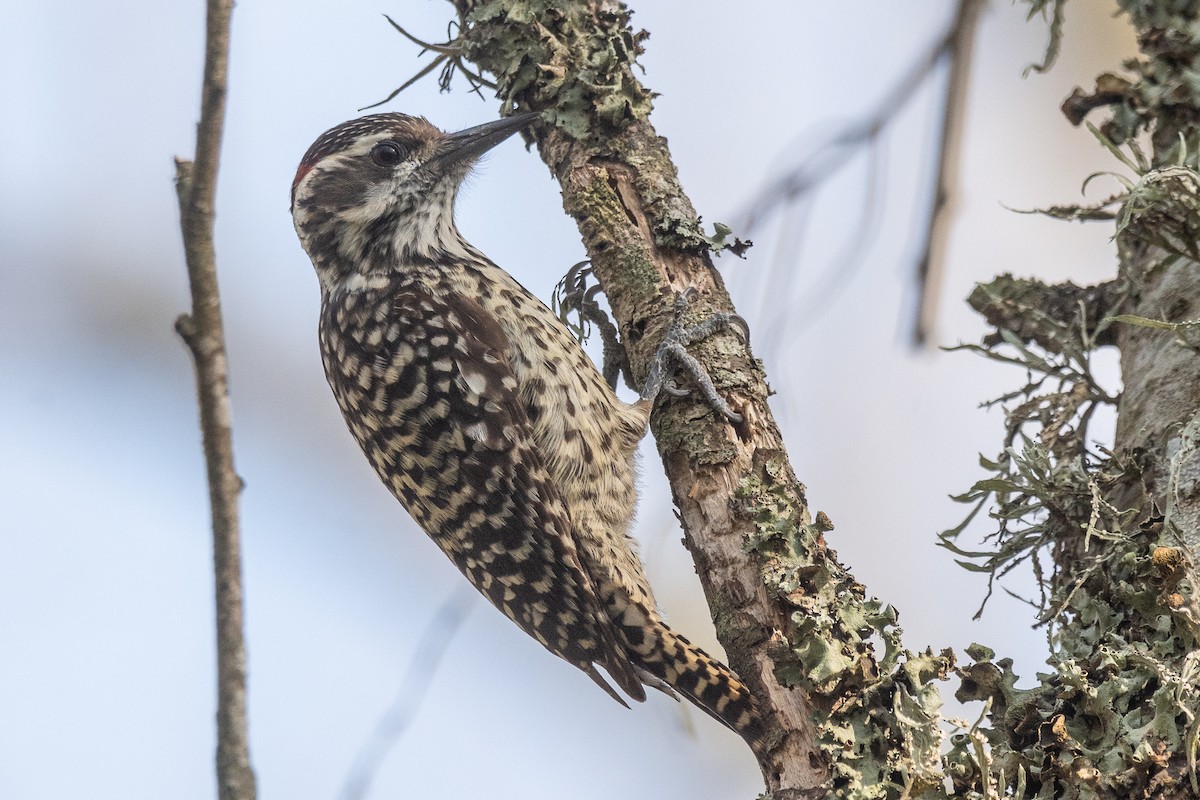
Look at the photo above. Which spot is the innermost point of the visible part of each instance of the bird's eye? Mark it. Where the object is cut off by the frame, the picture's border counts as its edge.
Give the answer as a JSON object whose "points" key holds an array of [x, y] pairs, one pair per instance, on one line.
{"points": [[387, 154]]}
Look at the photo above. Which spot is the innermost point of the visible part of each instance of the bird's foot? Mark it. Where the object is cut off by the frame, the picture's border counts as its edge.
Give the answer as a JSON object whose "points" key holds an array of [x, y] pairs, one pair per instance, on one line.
{"points": [[672, 355], [574, 295]]}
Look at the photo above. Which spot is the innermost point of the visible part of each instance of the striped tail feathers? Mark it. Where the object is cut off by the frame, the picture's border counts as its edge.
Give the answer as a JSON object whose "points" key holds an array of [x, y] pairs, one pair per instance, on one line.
{"points": [[709, 684], [674, 665]]}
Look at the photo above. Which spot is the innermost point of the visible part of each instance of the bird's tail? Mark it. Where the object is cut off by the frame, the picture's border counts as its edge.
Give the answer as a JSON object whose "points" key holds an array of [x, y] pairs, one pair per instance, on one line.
{"points": [[709, 684]]}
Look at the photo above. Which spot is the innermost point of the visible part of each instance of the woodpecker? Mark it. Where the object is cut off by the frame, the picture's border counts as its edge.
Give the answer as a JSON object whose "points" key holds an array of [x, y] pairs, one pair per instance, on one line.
{"points": [[480, 411]]}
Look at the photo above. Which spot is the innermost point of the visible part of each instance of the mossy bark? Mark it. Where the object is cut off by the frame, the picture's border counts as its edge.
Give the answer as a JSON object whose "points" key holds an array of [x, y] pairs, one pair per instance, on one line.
{"points": [[793, 621], [1117, 714], [1140, 585]]}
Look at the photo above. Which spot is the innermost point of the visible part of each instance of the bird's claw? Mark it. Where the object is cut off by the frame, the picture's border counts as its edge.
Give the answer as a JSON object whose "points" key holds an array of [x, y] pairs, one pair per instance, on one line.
{"points": [[574, 295], [675, 390], [672, 354]]}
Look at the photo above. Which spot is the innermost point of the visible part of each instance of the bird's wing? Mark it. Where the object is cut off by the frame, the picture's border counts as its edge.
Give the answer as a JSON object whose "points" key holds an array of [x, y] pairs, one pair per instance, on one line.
{"points": [[464, 461]]}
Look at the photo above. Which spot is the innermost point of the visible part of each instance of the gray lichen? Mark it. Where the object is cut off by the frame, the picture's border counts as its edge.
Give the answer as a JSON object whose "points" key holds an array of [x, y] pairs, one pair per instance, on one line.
{"points": [[880, 730], [560, 57], [1121, 700]]}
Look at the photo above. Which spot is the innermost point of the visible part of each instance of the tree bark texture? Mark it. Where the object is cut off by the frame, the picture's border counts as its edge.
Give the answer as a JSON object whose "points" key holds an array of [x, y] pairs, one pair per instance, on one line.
{"points": [[793, 621], [1118, 714]]}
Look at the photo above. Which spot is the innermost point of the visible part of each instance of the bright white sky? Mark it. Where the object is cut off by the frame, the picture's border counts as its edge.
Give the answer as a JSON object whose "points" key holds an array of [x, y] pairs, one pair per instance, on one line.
{"points": [[105, 610]]}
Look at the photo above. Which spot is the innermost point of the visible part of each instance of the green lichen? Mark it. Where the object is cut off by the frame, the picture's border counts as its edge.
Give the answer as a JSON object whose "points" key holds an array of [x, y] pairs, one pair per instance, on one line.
{"points": [[1159, 91], [1101, 721], [558, 56], [1047, 452], [886, 739], [720, 241], [1119, 707], [1052, 10], [1158, 205], [879, 720], [1163, 209]]}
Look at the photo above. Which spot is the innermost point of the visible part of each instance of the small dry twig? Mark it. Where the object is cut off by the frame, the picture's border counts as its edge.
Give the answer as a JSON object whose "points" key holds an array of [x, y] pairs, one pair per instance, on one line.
{"points": [[203, 332], [449, 56]]}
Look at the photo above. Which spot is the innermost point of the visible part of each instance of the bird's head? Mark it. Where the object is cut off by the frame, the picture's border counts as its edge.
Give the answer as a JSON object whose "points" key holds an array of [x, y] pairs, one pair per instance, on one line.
{"points": [[378, 191]]}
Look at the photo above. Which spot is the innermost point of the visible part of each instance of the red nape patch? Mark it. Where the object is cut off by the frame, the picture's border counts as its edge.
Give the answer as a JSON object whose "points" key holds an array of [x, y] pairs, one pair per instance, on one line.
{"points": [[304, 169]]}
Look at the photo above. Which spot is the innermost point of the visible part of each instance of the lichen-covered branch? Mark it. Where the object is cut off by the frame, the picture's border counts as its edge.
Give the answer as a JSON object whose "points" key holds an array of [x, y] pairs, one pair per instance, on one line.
{"points": [[203, 332], [1020, 305], [1112, 533], [793, 620]]}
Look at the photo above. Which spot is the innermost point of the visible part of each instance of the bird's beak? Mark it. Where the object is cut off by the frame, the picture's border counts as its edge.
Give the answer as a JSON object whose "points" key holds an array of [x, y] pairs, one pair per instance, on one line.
{"points": [[467, 145]]}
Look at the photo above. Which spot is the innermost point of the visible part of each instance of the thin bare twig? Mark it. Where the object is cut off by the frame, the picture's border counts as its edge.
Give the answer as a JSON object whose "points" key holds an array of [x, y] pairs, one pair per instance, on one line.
{"points": [[784, 324], [203, 331], [838, 149], [449, 53]]}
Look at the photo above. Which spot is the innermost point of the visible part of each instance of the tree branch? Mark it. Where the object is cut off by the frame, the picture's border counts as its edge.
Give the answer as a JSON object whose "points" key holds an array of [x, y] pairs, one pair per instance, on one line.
{"points": [[795, 623], [203, 332], [423, 666], [1017, 304], [1119, 525]]}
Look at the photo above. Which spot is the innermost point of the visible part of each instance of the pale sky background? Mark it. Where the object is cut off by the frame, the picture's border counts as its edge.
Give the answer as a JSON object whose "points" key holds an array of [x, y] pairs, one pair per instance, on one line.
{"points": [[107, 662]]}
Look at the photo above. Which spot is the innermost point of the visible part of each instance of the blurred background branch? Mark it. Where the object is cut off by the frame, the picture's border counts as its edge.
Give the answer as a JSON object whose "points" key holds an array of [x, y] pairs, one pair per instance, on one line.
{"points": [[792, 192], [443, 626]]}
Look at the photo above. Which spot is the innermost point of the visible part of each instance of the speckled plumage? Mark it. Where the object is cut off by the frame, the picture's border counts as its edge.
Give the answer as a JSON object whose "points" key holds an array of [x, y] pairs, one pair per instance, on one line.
{"points": [[481, 413]]}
